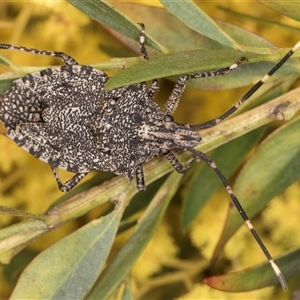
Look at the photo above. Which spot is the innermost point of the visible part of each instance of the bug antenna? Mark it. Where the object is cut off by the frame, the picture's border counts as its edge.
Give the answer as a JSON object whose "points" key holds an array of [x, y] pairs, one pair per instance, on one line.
{"points": [[209, 161]]}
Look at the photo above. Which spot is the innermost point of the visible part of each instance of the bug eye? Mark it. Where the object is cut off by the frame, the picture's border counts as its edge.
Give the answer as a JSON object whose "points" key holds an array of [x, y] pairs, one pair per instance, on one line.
{"points": [[164, 151], [168, 118]]}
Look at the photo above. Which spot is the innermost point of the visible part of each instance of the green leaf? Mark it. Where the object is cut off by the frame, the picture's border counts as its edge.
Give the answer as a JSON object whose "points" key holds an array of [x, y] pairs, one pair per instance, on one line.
{"points": [[108, 15], [258, 20], [71, 265], [191, 15], [243, 36], [257, 277], [4, 61], [127, 293], [130, 252], [15, 237], [123, 291], [290, 9], [261, 179], [193, 61], [17, 265], [17, 213]]}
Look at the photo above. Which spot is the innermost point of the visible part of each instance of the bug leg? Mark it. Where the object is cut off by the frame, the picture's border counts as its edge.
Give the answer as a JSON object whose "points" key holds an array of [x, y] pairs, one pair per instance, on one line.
{"points": [[69, 184], [68, 60], [177, 165], [179, 87], [242, 212], [154, 88], [140, 181], [142, 39], [233, 108]]}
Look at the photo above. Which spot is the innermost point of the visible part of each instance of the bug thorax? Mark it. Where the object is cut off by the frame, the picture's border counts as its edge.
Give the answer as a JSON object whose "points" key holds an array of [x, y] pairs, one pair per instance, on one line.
{"points": [[168, 135]]}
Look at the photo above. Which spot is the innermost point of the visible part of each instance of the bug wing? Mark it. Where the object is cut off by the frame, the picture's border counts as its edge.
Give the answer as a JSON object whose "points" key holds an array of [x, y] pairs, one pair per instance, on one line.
{"points": [[68, 150]]}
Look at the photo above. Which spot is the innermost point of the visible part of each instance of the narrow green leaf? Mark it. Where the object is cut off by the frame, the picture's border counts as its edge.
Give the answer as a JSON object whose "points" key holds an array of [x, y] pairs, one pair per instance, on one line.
{"points": [[108, 15], [127, 293], [258, 20], [141, 200], [70, 266], [191, 15], [124, 291], [15, 237], [257, 277], [290, 9], [205, 183], [18, 263], [4, 61], [129, 253], [261, 179], [243, 36], [17, 213], [193, 61]]}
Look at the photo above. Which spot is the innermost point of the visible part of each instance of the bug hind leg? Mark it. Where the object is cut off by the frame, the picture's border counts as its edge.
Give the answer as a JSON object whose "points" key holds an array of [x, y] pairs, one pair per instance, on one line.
{"points": [[69, 184], [67, 59]]}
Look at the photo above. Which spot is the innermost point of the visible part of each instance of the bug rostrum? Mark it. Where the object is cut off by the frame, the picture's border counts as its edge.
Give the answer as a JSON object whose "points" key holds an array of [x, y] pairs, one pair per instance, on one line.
{"points": [[65, 117]]}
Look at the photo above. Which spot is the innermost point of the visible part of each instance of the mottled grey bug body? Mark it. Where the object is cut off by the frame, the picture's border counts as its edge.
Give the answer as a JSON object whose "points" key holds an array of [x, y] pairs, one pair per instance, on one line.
{"points": [[65, 117]]}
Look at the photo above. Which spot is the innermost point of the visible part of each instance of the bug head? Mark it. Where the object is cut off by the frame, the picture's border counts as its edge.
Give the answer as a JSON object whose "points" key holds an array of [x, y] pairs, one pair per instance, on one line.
{"points": [[169, 135]]}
